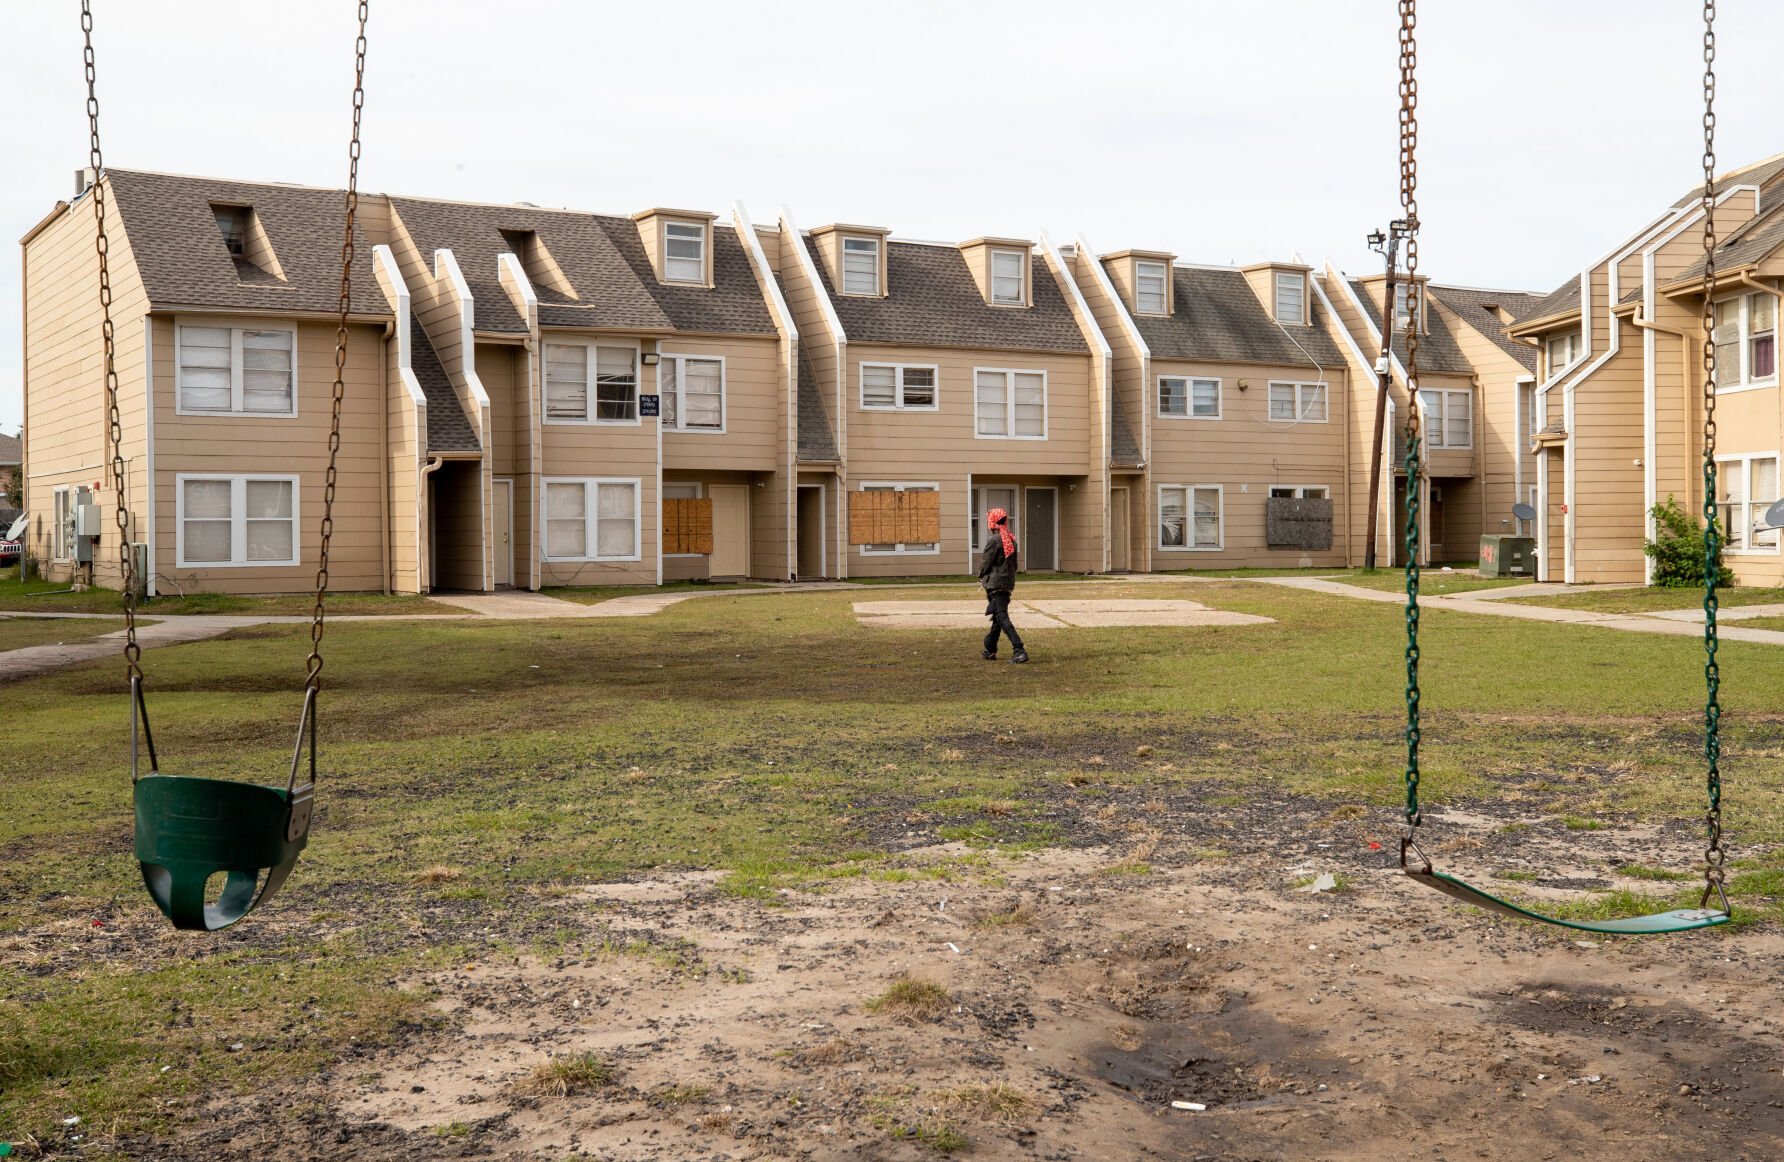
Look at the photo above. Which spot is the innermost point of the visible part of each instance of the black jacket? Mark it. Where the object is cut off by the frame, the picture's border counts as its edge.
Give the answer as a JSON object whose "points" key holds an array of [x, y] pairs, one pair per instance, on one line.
{"points": [[996, 571]]}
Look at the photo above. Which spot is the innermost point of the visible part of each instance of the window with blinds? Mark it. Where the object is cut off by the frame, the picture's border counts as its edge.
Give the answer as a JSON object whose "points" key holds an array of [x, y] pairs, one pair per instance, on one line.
{"points": [[236, 370], [1010, 405]]}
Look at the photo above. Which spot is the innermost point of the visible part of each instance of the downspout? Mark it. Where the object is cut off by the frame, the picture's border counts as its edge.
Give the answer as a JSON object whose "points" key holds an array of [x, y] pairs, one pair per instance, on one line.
{"points": [[425, 560], [384, 455]]}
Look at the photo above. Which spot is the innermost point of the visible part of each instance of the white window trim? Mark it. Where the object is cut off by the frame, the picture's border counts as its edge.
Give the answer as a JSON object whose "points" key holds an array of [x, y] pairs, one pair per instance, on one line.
{"points": [[1164, 281], [1300, 406], [663, 494], [705, 229], [61, 549], [1189, 515], [1300, 320], [1744, 344], [1442, 426], [900, 486], [1575, 356], [238, 518], [235, 327], [588, 353], [1021, 299], [724, 393], [1010, 374], [1300, 491], [898, 405], [842, 262], [1415, 300], [1189, 398], [1745, 460], [591, 514]]}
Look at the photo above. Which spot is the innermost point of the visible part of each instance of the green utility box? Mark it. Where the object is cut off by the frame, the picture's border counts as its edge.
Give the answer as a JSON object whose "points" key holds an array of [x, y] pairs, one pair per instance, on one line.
{"points": [[1507, 556]]}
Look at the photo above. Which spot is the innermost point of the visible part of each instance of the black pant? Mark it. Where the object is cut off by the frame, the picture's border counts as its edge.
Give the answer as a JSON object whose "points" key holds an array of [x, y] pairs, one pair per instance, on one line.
{"points": [[998, 607]]}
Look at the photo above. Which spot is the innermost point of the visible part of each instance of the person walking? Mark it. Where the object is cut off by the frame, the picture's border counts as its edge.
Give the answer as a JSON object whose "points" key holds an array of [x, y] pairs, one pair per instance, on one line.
{"points": [[997, 576]]}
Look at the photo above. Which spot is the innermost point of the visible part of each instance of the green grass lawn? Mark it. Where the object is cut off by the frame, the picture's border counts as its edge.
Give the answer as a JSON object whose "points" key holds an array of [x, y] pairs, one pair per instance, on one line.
{"points": [[1653, 600], [595, 594], [47, 597], [475, 771], [1432, 582], [18, 632]]}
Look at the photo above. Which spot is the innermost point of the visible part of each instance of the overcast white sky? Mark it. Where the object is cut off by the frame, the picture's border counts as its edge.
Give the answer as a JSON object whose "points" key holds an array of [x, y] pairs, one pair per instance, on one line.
{"points": [[1223, 132]]}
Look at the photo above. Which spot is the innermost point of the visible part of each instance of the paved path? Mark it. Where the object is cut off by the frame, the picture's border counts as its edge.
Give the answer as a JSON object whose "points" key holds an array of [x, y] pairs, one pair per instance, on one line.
{"points": [[1047, 614]]}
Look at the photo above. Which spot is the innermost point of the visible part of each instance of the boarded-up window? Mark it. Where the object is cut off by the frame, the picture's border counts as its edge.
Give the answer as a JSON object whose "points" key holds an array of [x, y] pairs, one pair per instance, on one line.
{"points": [[896, 518], [1302, 522], [687, 524]]}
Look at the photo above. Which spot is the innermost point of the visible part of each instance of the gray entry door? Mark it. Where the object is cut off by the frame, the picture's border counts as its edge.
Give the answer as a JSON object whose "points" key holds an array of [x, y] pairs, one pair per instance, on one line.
{"points": [[1041, 550]]}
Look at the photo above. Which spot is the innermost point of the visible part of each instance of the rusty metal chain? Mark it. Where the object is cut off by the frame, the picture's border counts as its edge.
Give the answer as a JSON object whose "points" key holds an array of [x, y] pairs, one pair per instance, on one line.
{"points": [[1715, 859], [313, 672], [102, 246], [1409, 210]]}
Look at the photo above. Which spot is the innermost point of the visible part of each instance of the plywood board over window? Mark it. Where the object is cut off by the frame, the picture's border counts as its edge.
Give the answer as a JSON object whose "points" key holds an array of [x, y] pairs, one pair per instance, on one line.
{"points": [[687, 525], [886, 517]]}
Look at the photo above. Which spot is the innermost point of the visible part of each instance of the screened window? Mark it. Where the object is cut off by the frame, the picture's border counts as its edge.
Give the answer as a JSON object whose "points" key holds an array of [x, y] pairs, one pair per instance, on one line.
{"points": [[1747, 340], [1184, 396], [693, 390], [1449, 418], [1293, 403], [591, 520], [860, 266], [1010, 404], [1006, 277], [1189, 516], [1149, 288], [684, 252], [237, 520], [1746, 487], [236, 371], [898, 386], [911, 547], [1291, 297]]}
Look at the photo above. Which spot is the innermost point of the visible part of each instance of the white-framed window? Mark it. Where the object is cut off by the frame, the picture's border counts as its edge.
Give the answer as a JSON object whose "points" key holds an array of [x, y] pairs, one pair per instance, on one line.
{"points": [[223, 371], [693, 391], [591, 519], [1746, 487], [227, 520], [1527, 404], [1291, 296], [1149, 288], [1301, 491], [1006, 277], [861, 266], [673, 490], [1747, 341], [1298, 403], [916, 547], [684, 252], [571, 367], [1449, 417], [61, 548], [1562, 350], [1188, 397], [1009, 404], [1406, 300], [899, 386], [1189, 516]]}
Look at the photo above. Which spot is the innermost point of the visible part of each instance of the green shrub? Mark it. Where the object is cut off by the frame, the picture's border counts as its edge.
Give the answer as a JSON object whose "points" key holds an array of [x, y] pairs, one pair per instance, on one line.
{"points": [[1677, 549]]}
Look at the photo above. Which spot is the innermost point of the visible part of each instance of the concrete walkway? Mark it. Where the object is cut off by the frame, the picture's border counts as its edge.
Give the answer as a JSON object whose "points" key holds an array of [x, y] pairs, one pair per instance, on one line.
{"points": [[1048, 614]]}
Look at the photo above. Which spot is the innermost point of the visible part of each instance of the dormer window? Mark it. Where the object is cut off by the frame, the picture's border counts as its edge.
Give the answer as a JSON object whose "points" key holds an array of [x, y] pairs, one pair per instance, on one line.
{"points": [[1149, 288], [1007, 277], [684, 252], [1291, 297], [1407, 301], [232, 223], [861, 266]]}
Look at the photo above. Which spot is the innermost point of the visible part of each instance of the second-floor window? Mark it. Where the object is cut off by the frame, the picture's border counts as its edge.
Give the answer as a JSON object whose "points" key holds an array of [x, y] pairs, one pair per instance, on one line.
{"points": [[1149, 288], [1406, 301], [1291, 297], [571, 367], [684, 252], [898, 385], [860, 266], [1183, 396], [1006, 277], [1449, 418], [1010, 404], [1747, 340], [1562, 350], [693, 390], [1532, 415], [1294, 403], [237, 371]]}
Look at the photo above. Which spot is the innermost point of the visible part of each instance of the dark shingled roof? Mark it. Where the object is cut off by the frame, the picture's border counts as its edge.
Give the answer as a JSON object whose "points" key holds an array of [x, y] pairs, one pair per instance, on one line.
{"points": [[12, 451], [1218, 317], [1475, 308], [1746, 246], [1124, 450], [1564, 299], [1759, 174], [604, 260], [180, 253], [1438, 350], [932, 301], [816, 441], [448, 429]]}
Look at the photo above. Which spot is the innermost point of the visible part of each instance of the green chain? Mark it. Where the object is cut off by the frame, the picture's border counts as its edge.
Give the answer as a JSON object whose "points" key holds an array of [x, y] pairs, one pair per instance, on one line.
{"points": [[1715, 860], [1409, 210]]}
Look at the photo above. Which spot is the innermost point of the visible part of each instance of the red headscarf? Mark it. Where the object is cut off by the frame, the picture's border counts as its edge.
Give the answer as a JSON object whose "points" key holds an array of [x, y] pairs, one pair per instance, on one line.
{"points": [[998, 519]]}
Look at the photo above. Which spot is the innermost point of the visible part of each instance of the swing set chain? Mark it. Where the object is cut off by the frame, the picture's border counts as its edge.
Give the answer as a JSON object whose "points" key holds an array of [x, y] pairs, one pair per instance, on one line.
{"points": [[1715, 859], [102, 247], [313, 674], [1409, 208]]}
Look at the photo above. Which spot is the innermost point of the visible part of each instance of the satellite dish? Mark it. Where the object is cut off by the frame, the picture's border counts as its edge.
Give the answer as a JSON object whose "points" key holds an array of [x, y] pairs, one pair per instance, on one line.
{"points": [[1527, 512], [19, 526], [1774, 517]]}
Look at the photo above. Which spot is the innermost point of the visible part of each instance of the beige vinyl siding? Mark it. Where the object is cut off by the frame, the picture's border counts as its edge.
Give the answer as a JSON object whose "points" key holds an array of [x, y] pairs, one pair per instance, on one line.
{"points": [[1132, 371], [755, 389], [1351, 511], [1608, 482], [1500, 436], [249, 446], [1551, 561], [1747, 424], [503, 368], [405, 427], [818, 341]]}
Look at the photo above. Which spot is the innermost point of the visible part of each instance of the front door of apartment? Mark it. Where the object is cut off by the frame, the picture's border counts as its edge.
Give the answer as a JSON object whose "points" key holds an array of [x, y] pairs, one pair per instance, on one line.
{"points": [[1120, 546], [1042, 519], [811, 531], [504, 532], [730, 529]]}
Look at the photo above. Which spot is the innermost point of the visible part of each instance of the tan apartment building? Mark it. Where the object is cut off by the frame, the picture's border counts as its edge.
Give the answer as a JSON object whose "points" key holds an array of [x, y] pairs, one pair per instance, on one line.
{"points": [[1619, 392]]}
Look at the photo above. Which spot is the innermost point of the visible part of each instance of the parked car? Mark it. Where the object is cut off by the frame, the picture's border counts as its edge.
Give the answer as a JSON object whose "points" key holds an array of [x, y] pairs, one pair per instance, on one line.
{"points": [[11, 552]]}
